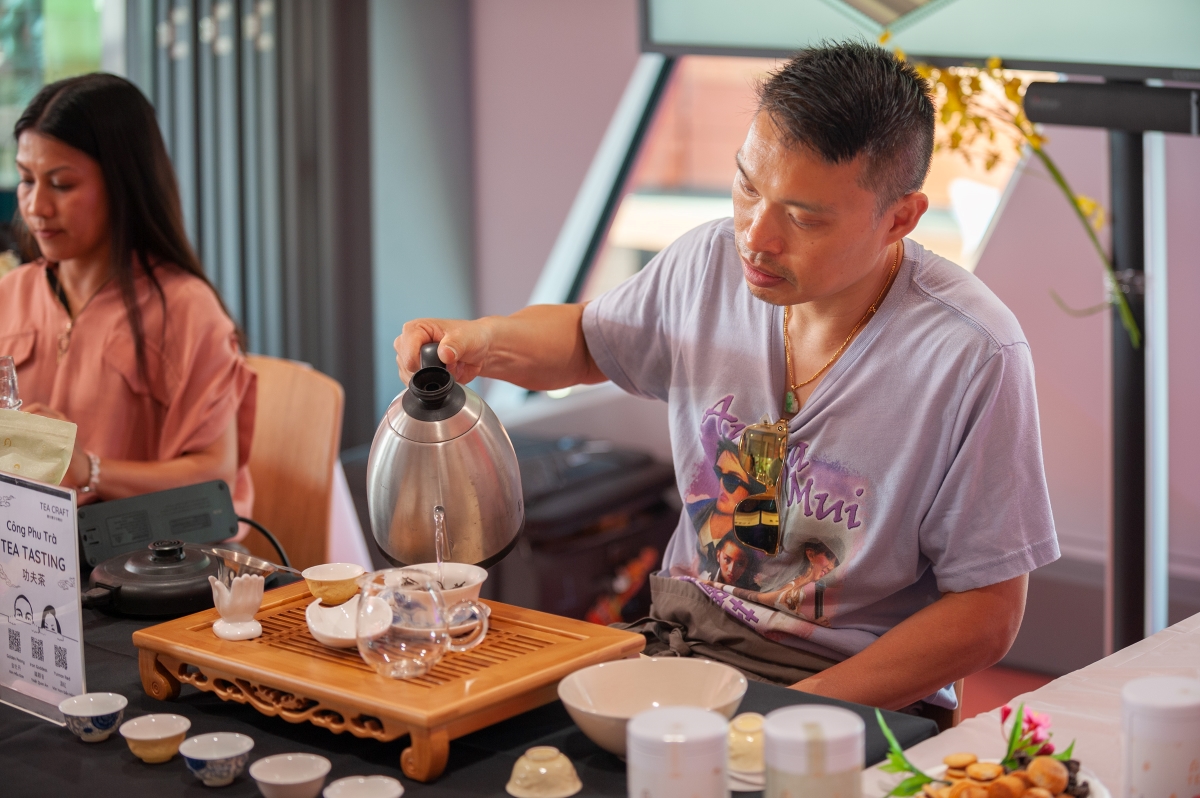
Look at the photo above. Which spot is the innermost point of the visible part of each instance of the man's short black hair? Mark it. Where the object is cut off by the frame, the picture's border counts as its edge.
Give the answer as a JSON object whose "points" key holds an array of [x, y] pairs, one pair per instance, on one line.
{"points": [[846, 99]]}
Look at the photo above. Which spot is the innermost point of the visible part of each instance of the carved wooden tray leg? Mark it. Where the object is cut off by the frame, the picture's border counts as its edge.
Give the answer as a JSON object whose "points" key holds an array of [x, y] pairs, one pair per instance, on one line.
{"points": [[425, 758], [156, 679]]}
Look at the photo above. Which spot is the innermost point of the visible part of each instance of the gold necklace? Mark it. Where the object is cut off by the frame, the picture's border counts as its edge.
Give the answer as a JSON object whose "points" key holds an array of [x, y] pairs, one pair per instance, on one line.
{"points": [[791, 399], [64, 337]]}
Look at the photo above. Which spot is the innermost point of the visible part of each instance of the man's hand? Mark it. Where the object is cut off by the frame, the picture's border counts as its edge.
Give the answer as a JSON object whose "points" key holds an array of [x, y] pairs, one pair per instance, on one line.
{"points": [[541, 347], [463, 346], [957, 635]]}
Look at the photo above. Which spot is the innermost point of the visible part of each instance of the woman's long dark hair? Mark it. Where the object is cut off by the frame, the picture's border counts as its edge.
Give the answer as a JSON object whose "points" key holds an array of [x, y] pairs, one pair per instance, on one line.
{"points": [[110, 120]]}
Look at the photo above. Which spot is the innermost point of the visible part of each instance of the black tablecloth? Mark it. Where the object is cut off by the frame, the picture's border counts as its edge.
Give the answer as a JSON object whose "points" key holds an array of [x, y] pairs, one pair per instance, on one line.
{"points": [[40, 759]]}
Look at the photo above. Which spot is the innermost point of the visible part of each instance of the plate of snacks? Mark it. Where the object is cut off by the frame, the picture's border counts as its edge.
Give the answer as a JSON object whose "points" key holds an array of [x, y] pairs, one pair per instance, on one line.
{"points": [[1030, 768], [1040, 777]]}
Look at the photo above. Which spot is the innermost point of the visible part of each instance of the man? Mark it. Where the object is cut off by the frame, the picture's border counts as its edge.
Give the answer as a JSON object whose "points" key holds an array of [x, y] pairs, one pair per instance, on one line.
{"points": [[713, 518], [913, 450]]}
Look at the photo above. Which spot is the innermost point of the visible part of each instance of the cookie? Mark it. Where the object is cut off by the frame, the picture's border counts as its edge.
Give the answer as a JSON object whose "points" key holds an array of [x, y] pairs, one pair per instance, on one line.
{"points": [[1049, 774], [931, 789], [954, 774], [984, 771], [1023, 775], [968, 789], [1006, 787], [1037, 792], [960, 761]]}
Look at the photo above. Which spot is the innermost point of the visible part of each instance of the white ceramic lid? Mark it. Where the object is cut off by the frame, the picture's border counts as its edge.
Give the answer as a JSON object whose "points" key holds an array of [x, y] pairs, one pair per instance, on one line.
{"points": [[814, 739], [1162, 695], [364, 787], [677, 731]]}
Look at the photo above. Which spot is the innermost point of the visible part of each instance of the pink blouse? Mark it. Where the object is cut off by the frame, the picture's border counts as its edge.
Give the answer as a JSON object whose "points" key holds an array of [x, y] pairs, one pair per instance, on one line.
{"points": [[197, 379]]}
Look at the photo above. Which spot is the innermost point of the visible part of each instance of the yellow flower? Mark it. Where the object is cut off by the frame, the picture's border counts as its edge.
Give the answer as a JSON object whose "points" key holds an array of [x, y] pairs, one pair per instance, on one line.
{"points": [[994, 63], [885, 37]]}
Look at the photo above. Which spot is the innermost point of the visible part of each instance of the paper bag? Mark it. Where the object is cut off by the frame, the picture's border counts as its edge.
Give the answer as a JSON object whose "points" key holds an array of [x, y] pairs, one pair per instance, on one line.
{"points": [[35, 447]]}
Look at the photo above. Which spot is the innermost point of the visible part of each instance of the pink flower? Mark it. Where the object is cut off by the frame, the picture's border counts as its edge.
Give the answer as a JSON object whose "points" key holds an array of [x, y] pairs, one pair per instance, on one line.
{"points": [[1036, 722], [1005, 712], [1046, 750], [1039, 735]]}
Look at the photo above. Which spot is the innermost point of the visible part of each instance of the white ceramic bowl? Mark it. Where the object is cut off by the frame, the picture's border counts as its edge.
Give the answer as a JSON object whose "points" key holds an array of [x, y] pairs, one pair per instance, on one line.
{"points": [[459, 580], [333, 626], [602, 698], [364, 787], [217, 759], [92, 717], [290, 775], [155, 738]]}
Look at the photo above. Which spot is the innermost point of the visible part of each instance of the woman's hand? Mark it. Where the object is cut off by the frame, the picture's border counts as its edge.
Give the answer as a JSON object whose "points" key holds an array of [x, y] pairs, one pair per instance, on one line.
{"points": [[79, 472]]}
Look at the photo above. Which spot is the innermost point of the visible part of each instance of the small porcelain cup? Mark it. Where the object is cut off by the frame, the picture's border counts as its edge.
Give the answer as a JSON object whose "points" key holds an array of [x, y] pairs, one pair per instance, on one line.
{"points": [[217, 759], [543, 772], [334, 582], [290, 775], [92, 717], [364, 787], [746, 743], [155, 738]]}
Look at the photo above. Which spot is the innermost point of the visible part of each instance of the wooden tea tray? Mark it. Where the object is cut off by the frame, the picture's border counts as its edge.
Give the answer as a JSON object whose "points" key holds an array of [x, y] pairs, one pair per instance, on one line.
{"points": [[287, 673]]}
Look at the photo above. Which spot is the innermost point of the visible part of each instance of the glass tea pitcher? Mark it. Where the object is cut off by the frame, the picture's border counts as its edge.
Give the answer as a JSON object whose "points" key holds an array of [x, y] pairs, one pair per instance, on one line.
{"points": [[404, 627]]}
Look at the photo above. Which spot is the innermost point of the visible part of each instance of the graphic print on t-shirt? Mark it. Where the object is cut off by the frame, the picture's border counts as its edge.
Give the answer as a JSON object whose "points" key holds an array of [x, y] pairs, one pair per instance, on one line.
{"points": [[821, 522]]}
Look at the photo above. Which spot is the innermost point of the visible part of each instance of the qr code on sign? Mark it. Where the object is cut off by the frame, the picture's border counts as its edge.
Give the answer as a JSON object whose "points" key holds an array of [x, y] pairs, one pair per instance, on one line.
{"points": [[35, 649], [14, 640], [60, 658]]}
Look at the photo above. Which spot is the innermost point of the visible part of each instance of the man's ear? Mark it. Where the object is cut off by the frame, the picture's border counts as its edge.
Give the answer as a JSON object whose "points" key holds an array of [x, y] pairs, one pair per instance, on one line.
{"points": [[905, 213]]}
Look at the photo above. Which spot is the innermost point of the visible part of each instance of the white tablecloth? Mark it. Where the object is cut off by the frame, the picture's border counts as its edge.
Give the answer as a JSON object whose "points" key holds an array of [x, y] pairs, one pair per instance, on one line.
{"points": [[1085, 706]]}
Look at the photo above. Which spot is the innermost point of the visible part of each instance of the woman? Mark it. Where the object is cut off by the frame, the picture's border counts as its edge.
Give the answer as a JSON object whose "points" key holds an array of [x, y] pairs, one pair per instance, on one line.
{"points": [[113, 325]]}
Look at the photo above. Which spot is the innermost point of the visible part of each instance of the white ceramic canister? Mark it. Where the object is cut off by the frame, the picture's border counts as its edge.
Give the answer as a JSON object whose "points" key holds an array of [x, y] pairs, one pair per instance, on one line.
{"points": [[1160, 737], [814, 751], [677, 752]]}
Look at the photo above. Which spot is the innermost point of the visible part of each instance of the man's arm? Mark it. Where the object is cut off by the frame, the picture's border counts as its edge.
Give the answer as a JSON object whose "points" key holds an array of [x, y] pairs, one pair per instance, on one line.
{"points": [[957, 635], [540, 347]]}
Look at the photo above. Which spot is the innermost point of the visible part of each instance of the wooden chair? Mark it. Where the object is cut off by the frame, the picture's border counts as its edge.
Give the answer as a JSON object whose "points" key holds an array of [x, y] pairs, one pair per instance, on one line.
{"points": [[297, 434]]}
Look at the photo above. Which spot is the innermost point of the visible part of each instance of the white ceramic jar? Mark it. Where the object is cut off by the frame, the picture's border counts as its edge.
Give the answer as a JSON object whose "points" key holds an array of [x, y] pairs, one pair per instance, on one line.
{"points": [[814, 751], [677, 751], [1160, 737]]}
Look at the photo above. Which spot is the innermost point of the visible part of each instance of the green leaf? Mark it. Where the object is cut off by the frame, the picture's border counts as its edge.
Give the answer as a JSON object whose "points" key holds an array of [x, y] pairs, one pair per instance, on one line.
{"points": [[911, 786], [1014, 736], [897, 762], [1065, 755]]}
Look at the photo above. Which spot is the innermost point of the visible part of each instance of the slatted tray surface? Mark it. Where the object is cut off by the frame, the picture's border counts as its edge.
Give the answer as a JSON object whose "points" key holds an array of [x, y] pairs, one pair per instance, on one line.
{"points": [[286, 672]]}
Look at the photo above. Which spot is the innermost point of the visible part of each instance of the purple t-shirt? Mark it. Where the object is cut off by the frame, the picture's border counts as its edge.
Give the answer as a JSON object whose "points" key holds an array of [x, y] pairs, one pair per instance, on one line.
{"points": [[914, 469]]}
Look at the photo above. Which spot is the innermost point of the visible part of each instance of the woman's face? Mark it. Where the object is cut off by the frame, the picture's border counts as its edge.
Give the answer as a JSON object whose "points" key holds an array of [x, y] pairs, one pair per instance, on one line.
{"points": [[62, 198], [821, 565], [733, 484]]}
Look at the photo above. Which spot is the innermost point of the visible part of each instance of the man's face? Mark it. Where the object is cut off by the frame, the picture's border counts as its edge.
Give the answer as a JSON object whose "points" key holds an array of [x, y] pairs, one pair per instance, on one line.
{"points": [[733, 484], [821, 565], [806, 230], [732, 561]]}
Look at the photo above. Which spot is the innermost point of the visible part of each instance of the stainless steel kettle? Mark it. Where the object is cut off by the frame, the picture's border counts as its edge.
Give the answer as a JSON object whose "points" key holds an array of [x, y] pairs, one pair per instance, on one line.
{"points": [[441, 445]]}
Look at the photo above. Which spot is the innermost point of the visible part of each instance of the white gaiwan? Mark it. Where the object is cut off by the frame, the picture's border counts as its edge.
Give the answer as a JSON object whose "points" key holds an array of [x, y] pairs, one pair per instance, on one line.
{"points": [[237, 604]]}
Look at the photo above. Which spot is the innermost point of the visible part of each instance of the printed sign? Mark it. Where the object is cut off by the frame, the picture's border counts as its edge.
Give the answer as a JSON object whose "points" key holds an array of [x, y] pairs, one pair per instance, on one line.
{"points": [[39, 597]]}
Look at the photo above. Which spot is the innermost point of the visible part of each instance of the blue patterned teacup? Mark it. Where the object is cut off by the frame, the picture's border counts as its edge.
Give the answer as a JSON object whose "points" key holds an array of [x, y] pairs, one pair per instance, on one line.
{"points": [[92, 717], [217, 759]]}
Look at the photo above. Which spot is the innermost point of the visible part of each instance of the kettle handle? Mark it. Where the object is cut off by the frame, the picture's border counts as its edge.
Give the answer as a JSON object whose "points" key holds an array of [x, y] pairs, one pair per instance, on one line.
{"points": [[429, 356]]}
